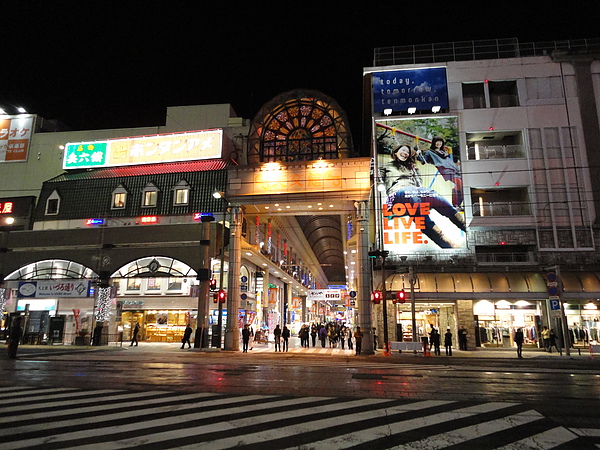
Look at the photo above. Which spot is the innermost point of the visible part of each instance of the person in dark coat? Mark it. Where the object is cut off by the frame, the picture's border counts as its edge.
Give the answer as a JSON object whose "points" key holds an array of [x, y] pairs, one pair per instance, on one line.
{"points": [[285, 335], [322, 336], [435, 340], [136, 331], [16, 332], [313, 334], [519, 341], [448, 342], [358, 337], [462, 338], [553, 342], [245, 338], [277, 335], [186, 336]]}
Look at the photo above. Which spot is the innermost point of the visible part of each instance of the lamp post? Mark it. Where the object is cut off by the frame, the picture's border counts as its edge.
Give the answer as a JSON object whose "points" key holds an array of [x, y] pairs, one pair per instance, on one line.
{"points": [[200, 339], [221, 195]]}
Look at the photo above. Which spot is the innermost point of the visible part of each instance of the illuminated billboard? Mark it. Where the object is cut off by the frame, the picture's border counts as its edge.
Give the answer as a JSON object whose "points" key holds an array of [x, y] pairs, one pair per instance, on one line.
{"points": [[144, 150], [422, 203], [15, 137], [399, 90]]}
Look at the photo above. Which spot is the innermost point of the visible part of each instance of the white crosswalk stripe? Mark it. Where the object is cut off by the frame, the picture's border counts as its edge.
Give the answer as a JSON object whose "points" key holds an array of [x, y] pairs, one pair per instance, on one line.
{"points": [[110, 419]]}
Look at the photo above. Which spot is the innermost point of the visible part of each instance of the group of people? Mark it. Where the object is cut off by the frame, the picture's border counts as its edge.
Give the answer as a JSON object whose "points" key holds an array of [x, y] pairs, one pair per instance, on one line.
{"points": [[549, 340], [434, 341]]}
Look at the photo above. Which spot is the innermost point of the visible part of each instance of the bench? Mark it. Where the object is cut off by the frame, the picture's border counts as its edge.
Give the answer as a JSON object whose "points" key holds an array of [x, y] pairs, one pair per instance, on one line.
{"points": [[594, 349], [407, 346]]}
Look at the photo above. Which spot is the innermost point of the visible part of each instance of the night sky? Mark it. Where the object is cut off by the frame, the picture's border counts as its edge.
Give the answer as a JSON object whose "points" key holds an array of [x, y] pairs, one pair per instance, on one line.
{"points": [[120, 64]]}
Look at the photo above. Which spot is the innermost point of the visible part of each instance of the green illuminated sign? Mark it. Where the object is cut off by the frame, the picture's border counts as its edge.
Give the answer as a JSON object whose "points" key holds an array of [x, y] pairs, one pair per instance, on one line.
{"points": [[85, 155]]}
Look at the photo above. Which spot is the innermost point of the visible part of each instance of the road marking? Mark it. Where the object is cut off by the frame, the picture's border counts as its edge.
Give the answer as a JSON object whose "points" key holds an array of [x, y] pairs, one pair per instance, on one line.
{"points": [[548, 439]]}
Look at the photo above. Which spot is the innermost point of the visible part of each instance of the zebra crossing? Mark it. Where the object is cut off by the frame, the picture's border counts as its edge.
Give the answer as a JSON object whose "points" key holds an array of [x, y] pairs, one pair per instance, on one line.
{"points": [[53, 418]]}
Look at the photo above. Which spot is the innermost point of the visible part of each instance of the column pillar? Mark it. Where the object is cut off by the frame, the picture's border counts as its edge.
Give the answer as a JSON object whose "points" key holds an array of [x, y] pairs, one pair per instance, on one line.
{"points": [[232, 332], [365, 321]]}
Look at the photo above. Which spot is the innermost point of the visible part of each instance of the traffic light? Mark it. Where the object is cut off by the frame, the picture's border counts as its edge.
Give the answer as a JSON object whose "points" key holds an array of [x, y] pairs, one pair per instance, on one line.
{"points": [[213, 284], [400, 296], [376, 297], [222, 295]]}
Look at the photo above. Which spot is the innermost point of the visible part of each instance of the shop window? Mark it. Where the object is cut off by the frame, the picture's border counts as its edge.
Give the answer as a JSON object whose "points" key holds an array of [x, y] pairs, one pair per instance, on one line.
{"points": [[53, 204], [119, 197], [154, 284], [150, 195], [134, 284], [473, 95], [175, 284]]}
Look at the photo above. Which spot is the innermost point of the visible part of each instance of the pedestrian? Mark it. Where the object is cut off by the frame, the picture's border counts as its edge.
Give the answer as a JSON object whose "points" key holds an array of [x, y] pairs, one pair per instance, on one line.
{"points": [[448, 342], [358, 336], [277, 335], [285, 335], [16, 332], [349, 339], [322, 336], [546, 338], [435, 340], [134, 338], [245, 338], [519, 341], [187, 334], [374, 338], [313, 334], [462, 338], [342, 335], [553, 342]]}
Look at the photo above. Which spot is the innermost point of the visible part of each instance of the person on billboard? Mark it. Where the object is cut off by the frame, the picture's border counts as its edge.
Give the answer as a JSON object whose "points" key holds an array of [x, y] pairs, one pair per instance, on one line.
{"points": [[404, 186], [443, 161]]}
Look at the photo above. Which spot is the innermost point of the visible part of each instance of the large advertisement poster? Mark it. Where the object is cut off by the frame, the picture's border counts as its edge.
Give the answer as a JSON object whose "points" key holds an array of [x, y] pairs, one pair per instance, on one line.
{"points": [[15, 136], [399, 90], [422, 204]]}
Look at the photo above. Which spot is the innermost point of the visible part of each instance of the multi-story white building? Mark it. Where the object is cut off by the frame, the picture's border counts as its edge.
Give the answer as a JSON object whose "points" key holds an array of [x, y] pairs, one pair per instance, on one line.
{"points": [[521, 124]]}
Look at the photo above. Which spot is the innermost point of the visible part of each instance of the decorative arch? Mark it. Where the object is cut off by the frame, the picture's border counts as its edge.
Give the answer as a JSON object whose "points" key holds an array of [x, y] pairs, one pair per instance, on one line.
{"points": [[299, 125], [52, 269], [155, 266]]}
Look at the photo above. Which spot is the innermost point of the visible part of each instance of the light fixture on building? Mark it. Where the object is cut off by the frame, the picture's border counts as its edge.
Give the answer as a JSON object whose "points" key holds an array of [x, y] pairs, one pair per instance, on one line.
{"points": [[21, 110], [412, 110], [436, 109], [2, 111], [388, 111], [218, 194]]}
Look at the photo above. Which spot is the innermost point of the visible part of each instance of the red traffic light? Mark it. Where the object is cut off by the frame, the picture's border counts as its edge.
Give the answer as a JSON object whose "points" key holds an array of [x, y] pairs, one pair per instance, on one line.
{"points": [[213, 284], [222, 295], [401, 296], [376, 297]]}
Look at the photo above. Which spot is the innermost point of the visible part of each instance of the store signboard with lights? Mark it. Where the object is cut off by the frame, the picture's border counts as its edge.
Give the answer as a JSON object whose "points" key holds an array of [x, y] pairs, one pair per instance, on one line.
{"points": [[160, 148], [54, 288], [15, 137], [421, 89], [419, 183]]}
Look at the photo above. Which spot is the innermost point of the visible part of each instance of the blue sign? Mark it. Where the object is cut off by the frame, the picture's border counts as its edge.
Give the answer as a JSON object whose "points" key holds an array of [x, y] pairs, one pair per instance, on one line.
{"points": [[554, 305], [399, 90]]}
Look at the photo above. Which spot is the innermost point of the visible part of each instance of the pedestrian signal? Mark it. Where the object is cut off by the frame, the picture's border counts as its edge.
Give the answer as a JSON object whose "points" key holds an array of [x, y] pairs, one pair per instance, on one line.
{"points": [[222, 296], [401, 296], [376, 297], [213, 284]]}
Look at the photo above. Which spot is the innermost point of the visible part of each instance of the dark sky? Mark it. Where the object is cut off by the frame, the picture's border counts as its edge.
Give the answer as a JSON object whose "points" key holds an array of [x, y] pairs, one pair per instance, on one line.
{"points": [[120, 64]]}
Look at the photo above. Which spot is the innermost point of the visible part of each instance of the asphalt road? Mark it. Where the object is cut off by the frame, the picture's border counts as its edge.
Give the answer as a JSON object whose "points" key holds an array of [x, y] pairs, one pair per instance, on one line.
{"points": [[565, 391]]}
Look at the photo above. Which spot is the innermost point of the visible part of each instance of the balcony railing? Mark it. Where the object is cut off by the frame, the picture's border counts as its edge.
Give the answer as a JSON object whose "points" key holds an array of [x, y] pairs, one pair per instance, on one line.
{"points": [[505, 258], [493, 209], [495, 152]]}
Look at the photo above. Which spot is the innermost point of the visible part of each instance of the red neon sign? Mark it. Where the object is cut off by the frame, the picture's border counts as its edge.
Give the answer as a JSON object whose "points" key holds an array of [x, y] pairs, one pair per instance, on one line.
{"points": [[149, 219], [6, 208]]}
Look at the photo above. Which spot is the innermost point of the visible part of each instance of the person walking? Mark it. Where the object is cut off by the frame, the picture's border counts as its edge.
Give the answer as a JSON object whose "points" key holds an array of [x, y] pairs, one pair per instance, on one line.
{"points": [[519, 341], [277, 335], [546, 338], [552, 340], [448, 342], [285, 335], [134, 338], [16, 332], [358, 336], [323, 336], [342, 335], [245, 338], [187, 334], [435, 341], [313, 334]]}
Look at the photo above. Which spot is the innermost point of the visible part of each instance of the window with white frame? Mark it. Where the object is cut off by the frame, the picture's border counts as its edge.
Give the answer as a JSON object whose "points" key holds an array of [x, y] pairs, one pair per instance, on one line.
{"points": [[119, 198], [181, 193], [53, 204], [150, 195]]}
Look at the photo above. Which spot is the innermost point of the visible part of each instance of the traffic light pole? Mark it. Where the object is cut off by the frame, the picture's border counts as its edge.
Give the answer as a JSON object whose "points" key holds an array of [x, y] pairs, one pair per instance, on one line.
{"points": [[386, 349]]}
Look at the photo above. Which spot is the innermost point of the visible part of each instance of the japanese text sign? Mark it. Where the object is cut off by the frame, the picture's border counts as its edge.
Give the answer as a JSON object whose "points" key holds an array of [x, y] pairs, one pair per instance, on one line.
{"points": [[15, 135]]}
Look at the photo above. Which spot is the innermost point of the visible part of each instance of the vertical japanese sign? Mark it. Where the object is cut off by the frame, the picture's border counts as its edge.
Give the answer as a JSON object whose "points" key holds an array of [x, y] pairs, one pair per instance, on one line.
{"points": [[15, 137], [422, 204]]}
